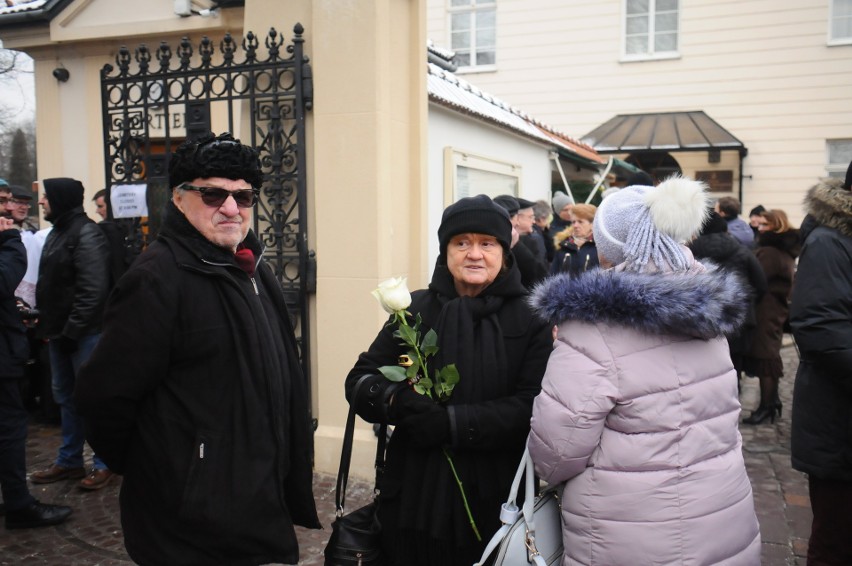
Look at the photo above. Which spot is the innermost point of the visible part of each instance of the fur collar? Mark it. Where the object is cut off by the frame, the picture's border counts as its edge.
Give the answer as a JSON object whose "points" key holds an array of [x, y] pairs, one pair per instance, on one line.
{"points": [[831, 205], [703, 304], [788, 242]]}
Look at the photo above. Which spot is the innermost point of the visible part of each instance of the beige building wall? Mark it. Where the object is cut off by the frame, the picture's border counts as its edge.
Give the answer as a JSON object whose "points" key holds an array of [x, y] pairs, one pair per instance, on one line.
{"points": [[762, 69], [367, 183], [366, 151]]}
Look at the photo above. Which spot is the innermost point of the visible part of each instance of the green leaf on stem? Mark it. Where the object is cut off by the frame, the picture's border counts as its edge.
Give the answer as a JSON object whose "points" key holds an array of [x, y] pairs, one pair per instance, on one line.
{"points": [[394, 373], [411, 371], [430, 343], [450, 374], [408, 335]]}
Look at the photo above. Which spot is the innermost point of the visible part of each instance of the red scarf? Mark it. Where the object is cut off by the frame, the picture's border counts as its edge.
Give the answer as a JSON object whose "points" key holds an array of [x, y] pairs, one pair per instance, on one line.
{"points": [[245, 259]]}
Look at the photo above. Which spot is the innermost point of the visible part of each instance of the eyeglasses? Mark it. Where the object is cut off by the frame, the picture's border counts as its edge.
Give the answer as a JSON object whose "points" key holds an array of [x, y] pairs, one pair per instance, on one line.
{"points": [[215, 196], [12, 200]]}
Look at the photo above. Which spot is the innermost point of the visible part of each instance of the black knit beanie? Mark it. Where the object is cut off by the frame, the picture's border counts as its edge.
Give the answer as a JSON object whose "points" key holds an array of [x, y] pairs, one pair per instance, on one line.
{"points": [[714, 224], [214, 156], [62, 194], [475, 215], [848, 183]]}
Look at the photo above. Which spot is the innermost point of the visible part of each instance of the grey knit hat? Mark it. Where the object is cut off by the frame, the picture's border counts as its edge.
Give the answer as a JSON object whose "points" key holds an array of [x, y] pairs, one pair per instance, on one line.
{"points": [[639, 225], [560, 200]]}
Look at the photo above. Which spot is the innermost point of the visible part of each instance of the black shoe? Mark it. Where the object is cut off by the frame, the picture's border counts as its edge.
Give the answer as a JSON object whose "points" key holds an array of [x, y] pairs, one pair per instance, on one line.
{"points": [[761, 414], [36, 515]]}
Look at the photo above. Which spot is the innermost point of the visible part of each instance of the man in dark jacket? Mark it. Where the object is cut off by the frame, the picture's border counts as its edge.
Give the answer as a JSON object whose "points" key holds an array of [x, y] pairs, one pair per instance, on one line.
{"points": [[22, 509], [532, 268], [71, 293], [195, 391], [821, 318]]}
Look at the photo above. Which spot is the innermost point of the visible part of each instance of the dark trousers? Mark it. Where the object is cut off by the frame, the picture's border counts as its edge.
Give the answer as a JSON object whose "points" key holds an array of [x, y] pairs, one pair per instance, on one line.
{"points": [[13, 440], [831, 532]]}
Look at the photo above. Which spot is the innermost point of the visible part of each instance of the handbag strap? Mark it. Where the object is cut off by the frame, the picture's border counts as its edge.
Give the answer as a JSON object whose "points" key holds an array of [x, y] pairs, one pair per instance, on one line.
{"points": [[346, 453], [509, 513]]}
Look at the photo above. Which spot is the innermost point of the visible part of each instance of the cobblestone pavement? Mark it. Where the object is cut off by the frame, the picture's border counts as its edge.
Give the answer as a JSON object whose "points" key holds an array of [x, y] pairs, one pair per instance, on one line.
{"points": [[92, 536]]}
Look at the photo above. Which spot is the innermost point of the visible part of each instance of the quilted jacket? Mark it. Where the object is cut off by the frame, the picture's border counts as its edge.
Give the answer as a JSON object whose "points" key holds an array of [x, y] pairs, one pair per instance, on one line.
{"points": [[638, 417]]}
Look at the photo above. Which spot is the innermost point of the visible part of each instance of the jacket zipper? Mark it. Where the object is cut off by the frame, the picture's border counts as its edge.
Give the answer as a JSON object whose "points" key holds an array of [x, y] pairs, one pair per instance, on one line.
{"points": [[251, 277], [275, 416]]}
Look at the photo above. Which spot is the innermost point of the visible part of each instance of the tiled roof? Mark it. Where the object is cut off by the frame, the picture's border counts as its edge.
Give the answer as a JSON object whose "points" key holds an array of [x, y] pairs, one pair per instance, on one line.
{"points": [[448, 89], [20, 6]]}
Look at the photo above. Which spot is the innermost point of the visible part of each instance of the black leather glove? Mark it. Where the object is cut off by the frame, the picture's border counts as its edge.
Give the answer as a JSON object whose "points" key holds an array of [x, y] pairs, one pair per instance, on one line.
{"points": [[429, 429], [407, 402], [65, 345]]}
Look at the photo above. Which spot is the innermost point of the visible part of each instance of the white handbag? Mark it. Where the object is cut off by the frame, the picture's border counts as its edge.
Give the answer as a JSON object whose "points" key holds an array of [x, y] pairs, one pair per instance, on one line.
{"points": [[532, 535]]}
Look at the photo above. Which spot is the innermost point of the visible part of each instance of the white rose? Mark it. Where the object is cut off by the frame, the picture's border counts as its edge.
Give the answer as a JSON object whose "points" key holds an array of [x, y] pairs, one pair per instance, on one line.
{"points": [[393, 295]]}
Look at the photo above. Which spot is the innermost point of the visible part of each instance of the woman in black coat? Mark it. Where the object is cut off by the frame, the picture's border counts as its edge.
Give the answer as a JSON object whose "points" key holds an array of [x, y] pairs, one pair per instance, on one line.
{"points": [[716, 244], [477, 306], [777, 248]]}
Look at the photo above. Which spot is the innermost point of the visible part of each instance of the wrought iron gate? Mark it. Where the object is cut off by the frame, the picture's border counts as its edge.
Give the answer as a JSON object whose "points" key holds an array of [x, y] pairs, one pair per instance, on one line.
{"points": [[155, 100]]}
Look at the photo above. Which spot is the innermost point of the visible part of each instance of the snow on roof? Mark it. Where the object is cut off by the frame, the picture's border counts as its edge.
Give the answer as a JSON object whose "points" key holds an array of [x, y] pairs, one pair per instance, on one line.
{"points": [[20, 6], [448, 89]]}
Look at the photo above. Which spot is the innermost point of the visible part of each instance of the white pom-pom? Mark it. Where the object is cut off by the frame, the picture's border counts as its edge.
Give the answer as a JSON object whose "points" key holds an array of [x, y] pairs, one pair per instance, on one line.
{"points": [[678, 206]]}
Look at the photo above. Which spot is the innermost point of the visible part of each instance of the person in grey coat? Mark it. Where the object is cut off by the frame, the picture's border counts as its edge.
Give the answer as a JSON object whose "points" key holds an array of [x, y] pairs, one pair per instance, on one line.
{"points": [[729, 209]]}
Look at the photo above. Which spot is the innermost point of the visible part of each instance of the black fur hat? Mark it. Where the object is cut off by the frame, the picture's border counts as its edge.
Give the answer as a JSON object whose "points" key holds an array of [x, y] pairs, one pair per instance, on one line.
{"points": [[215, 156], [848, 183]]}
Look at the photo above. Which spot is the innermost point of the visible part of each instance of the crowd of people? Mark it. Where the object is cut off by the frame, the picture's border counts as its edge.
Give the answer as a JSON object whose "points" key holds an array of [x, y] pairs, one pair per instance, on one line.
{"points": [[609, 340]]}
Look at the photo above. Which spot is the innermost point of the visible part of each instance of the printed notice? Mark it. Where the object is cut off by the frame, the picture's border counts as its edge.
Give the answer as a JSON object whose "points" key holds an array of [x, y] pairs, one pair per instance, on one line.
{"points": [[128, 201]]}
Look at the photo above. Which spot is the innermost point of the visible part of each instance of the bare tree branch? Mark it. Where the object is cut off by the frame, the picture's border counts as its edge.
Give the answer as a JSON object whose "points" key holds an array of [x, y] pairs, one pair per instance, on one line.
{"points": [[8, 61]]}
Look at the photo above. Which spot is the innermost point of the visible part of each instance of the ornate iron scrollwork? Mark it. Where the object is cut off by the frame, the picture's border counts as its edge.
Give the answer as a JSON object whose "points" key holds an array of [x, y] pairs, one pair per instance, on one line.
{"points": [[146, 97]]}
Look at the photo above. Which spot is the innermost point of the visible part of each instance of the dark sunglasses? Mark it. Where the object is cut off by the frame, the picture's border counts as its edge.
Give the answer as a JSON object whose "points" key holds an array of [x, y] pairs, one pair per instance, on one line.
{"points": [[215, 196]]}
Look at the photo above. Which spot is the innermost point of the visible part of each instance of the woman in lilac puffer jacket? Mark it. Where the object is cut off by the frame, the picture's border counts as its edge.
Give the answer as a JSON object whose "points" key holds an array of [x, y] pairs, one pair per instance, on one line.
{"points": [[638, 411]]}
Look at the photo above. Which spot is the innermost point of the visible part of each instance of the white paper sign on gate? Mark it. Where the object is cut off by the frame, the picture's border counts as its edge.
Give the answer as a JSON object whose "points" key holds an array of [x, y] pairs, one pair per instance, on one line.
{"points": [[128, 201]]}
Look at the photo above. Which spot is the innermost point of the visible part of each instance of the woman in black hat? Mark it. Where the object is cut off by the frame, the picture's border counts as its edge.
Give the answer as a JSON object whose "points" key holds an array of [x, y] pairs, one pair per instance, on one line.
{"points": [[477, 306]]}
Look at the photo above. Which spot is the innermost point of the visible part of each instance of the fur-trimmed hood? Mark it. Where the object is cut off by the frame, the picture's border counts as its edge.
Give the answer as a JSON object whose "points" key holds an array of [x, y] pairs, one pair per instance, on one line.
{"points": [[701, 303], [831, 205]]}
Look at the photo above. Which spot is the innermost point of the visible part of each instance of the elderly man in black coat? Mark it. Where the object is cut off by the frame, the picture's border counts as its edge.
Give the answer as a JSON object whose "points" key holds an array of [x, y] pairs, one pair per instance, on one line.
{"points": [[195, 391], [821, 317]]}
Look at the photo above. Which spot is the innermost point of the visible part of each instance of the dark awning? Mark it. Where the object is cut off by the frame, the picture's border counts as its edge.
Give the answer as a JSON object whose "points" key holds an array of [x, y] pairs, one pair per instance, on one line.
{"points": [[663, 131]]}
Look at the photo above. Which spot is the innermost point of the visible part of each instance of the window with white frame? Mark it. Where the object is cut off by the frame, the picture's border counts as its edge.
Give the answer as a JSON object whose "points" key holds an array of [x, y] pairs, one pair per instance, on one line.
{"points": [[650, 28], [840, 22], [839, 156], [473, 32], [467, 174]]}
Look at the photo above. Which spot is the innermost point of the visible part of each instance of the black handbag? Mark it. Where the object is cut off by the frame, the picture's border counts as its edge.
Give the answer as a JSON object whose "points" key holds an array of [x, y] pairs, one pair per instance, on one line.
{"points": [[356, 538]]}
